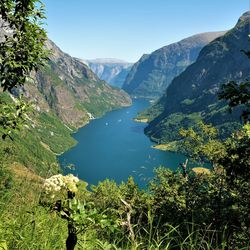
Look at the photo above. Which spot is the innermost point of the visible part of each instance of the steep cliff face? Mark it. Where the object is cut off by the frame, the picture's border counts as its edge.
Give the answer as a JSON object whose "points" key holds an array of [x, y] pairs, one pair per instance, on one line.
{"points": [[69, 88], [152, 74], [72, 90], [113, 71], [193, 94]]}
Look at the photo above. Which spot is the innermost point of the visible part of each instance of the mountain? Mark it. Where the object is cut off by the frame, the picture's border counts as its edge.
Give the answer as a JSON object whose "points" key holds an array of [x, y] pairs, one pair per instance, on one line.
{"points": [[152, 74], [73, 91], [65, 95], [69, 88], [192, 96], [113, 71]]}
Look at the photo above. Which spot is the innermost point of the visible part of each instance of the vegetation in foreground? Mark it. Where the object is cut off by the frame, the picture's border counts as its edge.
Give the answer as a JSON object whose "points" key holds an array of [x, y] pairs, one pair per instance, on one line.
{"points": [[179, 210]]}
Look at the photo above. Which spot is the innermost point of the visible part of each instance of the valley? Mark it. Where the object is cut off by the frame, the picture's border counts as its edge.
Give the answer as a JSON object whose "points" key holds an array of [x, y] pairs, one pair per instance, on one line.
{"points": [[107, 154], [116, 148]]}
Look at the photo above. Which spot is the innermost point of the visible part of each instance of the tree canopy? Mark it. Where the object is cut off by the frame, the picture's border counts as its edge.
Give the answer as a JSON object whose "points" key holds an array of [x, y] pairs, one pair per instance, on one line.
{"points": [[22, 44], [22, 50]]}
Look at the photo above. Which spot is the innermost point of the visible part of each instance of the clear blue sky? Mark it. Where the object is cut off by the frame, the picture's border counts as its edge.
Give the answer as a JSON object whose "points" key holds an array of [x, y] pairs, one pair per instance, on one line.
{"points": [[126, 29]]}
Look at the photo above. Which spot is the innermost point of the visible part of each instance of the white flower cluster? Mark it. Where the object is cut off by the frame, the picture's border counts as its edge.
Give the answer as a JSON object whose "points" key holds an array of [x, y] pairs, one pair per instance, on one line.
{"points": [[59, 182], [54, 183], [71, 182]]}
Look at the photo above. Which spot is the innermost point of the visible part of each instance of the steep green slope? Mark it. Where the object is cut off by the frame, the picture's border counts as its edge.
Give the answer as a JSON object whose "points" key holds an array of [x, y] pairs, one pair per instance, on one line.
{"points": [[151, 75], [37, 144], [192, 95]]}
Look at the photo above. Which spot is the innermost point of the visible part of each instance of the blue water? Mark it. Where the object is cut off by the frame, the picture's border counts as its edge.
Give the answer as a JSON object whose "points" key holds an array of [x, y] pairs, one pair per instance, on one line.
{"points": [[115, 147]]}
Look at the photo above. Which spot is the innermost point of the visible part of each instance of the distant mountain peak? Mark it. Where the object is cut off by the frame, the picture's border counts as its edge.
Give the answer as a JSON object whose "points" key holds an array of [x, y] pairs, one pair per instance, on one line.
{"points": [[152, 74], [107, 61], [205, 37], [192, 95], [113, 71]]}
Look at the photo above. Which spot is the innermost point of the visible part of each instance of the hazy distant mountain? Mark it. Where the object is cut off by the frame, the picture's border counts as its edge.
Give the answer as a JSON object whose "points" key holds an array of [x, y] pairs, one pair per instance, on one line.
{"points": [[151, 75], [113, 71], [192, 96], [107, 61]]}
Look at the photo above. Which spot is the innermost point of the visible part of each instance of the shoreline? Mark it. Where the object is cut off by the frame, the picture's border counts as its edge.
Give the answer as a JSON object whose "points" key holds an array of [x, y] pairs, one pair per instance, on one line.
{"points": [[76, 129], [170, 147], [142, 120]]}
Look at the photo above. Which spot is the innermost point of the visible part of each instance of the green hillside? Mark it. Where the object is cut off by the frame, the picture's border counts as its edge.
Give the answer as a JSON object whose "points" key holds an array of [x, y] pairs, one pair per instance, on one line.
{"points": [[192, 96], [153, 73]]}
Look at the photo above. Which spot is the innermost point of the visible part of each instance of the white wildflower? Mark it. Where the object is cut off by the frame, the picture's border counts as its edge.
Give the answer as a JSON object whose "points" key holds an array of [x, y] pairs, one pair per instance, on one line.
{"points": [[59, 182], [71, 182], [54, 183]]}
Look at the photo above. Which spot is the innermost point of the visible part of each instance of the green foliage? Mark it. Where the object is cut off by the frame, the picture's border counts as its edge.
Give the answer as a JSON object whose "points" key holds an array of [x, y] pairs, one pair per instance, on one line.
{"points": [[13, 116], [171, 125], [24, 224], [107, 196], [3, 245], [79, 216], [231, 161], [202, 143], [22, 49], [100, 103], [54, 133], [192, 211], [236, 159], [37, 144], [6, 180], [174, 213], [237, 94]]}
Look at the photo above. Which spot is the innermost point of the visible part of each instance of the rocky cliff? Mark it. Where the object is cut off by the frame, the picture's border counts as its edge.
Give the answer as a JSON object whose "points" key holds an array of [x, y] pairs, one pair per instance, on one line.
{"points": [[152, 74], [192, 95], [72, 90]]}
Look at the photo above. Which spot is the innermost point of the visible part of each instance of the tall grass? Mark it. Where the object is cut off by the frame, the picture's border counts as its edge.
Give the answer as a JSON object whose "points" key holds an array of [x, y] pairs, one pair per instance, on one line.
{"points": [[23, 223], [26, 225]]}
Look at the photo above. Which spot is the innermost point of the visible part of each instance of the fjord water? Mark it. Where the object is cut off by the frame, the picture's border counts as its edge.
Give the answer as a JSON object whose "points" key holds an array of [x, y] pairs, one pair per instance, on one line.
{"points": [[115, 147]]}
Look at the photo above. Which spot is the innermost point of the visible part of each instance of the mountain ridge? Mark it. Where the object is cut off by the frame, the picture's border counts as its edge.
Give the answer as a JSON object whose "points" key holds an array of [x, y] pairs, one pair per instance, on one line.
{"points": [[192, 96], [113, 71], [107, 61], [73, 91], [152, 74]]}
